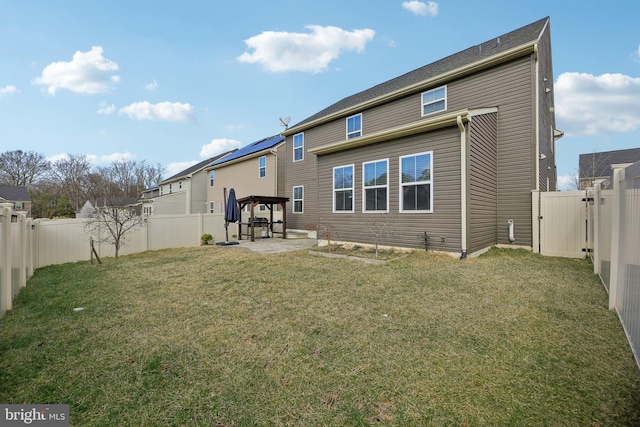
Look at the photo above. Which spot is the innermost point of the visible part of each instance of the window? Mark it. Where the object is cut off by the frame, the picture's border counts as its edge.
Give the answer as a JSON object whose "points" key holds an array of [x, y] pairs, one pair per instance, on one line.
{"points": [[180, 185], [298, 147], [343, 189], [375, 182], [415, 183], [211, 178], [298, 199], [262, 207], [262, 166], [212, 207], [434, 100], [170, 190], [354, 126]]}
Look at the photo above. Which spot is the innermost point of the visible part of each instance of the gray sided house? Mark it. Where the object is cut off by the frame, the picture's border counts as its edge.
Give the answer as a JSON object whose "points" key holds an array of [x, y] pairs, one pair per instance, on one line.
{"points": [[596, 167], [454, 149], [18, 195]]}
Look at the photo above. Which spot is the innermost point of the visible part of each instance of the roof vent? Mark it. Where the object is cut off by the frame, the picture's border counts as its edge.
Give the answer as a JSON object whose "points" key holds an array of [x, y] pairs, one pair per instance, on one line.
{"points": [[498, 42], [479, 49]]}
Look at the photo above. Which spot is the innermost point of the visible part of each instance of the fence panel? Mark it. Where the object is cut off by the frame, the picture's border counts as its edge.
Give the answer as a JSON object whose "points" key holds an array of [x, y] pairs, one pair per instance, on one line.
{"points": [[604, 236], [629, 308]]}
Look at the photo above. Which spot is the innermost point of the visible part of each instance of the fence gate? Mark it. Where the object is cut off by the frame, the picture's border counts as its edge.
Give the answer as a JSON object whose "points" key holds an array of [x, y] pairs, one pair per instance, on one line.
{"points": [[564, 226]]}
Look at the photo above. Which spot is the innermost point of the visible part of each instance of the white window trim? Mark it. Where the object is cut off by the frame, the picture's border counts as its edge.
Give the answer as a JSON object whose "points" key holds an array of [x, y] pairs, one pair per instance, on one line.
{"points": [[357, 131], [365, 188], [260, 168], [353, 184], [212, 207], [293, 207], [422, 104], [430, 182], [212, 178], [301, 148]]}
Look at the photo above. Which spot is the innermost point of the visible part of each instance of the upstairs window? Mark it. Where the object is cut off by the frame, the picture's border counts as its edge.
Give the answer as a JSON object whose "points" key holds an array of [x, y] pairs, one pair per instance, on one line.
{"points": [[354, 126], [211, 178], [434, 100], [376, 183], [262, 166], [416, 183], [298, 147], [343, 189]]}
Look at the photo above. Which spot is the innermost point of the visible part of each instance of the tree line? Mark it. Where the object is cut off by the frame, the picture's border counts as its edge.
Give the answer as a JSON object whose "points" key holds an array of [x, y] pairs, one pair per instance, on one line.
{"points": [[62, 187]]}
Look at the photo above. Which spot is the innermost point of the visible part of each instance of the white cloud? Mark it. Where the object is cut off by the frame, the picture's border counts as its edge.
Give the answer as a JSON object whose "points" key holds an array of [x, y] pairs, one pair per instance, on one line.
{"points": [[106, 109], [566, 183], [594, 105], [175, 167], [115, 157], [218, 146], [308, 52], [151, 86], [8, 90], [164, 111], [419, 8], [95, 159], [87, 73]]}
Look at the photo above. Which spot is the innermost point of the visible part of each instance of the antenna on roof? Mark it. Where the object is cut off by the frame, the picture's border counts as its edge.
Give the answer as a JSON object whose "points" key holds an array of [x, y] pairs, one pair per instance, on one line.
{"points": [[285, 122]]}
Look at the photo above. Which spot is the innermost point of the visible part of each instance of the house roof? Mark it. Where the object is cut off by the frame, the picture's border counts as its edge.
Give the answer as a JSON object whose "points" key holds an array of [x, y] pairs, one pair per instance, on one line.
{"points": [[254, 147], [15, 193], [593, 165], [499, 46], [195, 168]]}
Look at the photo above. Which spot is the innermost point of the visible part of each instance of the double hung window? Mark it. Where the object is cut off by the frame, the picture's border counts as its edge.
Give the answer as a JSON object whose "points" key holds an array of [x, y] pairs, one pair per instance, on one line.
{"points": [[434, 100], [298, 147], [298, 199], [343, 189], [354, 126], [262, 166], [376, 183], [416, 182]]}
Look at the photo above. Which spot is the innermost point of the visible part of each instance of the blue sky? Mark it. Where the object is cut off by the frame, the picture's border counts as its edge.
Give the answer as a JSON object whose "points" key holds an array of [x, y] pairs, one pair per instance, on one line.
{"points": [[177, 82]]}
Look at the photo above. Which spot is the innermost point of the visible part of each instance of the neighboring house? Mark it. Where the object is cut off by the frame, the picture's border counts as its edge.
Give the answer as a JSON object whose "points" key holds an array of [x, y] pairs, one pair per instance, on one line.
{"points": [[182, 193], [256, 169], [18, 195], [90, 207], [453, 149], [596, 167]]}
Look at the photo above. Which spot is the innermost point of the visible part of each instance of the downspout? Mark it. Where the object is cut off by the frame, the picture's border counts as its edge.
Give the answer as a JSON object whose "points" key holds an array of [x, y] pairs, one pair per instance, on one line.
{"points": [[463, 185], [535, 211], [275, 181], [537, 117]]}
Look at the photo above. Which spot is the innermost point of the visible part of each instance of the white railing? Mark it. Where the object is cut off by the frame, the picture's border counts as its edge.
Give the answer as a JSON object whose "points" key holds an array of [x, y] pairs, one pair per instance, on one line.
{"points": [[616, 242]]}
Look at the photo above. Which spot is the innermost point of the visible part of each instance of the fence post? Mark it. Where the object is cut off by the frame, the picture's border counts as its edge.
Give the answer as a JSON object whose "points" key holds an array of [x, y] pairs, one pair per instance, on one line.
{"points": [[22, 237], [595, 217], [535, 216], [617, 238], [6, 295]]}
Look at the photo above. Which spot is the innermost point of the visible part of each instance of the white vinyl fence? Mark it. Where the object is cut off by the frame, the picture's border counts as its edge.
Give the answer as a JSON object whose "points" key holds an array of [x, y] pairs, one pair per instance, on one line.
{"points": [[26, 244], [615, 216]]}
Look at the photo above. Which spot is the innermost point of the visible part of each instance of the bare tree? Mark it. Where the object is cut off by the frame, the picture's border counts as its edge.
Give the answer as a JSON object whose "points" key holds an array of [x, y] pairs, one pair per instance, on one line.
{"points": [[113, 223], [71, 175], [382, 226], [22, 167]]}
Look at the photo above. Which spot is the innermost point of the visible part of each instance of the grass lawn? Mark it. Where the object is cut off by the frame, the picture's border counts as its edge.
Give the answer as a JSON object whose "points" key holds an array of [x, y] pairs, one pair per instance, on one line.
{"points": [[217, 336]]}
